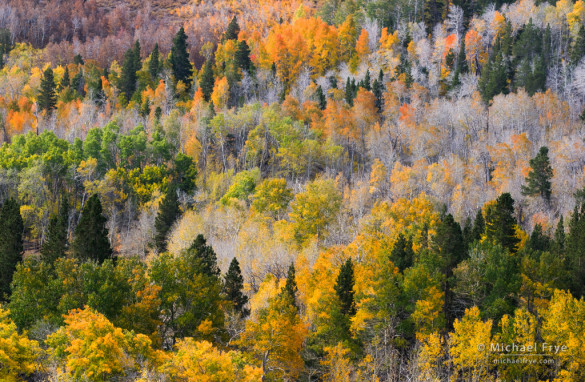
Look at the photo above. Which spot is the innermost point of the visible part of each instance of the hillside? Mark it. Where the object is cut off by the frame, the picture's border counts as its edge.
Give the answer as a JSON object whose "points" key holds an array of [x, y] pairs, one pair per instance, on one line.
{"points": [[283, 190]]}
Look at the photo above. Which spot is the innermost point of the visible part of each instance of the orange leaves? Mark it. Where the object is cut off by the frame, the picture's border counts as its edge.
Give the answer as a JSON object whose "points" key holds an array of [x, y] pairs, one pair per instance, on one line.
{"points": [[362, 46], [18, 354], [389, 41], [220, 92], [475, 52]]}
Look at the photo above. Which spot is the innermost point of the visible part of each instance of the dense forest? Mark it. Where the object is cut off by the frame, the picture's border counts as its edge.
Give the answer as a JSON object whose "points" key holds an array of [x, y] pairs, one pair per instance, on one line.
{"points": [[283, 190]]}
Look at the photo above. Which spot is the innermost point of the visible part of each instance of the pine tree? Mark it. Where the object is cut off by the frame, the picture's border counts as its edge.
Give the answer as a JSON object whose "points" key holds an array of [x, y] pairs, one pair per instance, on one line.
{"points": [[366, 83], [90, 238], [232, 31], [11, 244], [402, 254], [478, 227], [575, 255], [65, 81], [501, 224], [168, 212], [55, 244], [349, 92], [78, 60], [128, 76], [234, 288], [558, 244], [538, 240], [48, 96], [205, 257], [494, 77], [179, 59], [377, 91], [321, 99], [290, 289], [539, 176], [154, 65], [242, 57], [207, 81], [578, 50], [344, 288]]}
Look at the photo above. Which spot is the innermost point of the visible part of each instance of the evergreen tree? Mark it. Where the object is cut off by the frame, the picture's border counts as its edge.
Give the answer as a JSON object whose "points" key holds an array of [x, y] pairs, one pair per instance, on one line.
{"points": [[377, 90], [494, 77], [366, 83], [65, 81], [344, 288], [242, 57], [55, 244], [538, 240], [48, 96], [234, 287], [290, 289], [78, 60], [179, 59], [539, 176], [232, 31], [90, 239], [97, 91], [168, 212], [205, 257], [451, 248], [578, 50], [207, 81], [128, 76], [349, 92], [478, 227], [11, 244], [321, 99], [501, 224], [575, 255], [154, 65], [460, 67], [332, 82], [558, 244], [78, 84], [402, 254]]}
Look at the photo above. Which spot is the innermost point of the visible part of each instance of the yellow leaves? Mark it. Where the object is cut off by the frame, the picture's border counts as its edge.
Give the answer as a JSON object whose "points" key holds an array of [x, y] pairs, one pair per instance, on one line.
{"points": [[200, 361], [89, 346], [347, 38], [314, 209], [275, 333], [18, 354], [475, 52], [429, 356], [576, 18], [563, 325], [470, 344], [220, 94], [338, 364]]}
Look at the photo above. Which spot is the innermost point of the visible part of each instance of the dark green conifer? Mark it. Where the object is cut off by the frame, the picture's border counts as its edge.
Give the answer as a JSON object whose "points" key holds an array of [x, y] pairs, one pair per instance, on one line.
{"points": [[233, 288], [55, 244], [90, 239], [501, 224], [48, 95], [11, 244], [168, 212], [179, 59], [207, 81], [344, 288], [539, 176]]}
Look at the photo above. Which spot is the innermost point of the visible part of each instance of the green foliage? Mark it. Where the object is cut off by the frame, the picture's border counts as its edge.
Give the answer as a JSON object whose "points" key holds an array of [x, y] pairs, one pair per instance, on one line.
{"points": [[154, 65], [11, 244], [168, 212], [290, 289], [233, 288], [232, 31], [179, 59], [207, 81], [128, 76], [344, 288], [48, 96], [90, 239], [501, 224], [55, 244], [272, 196], [402, 254], [321, 99], [243, 185], [539, 176]]}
